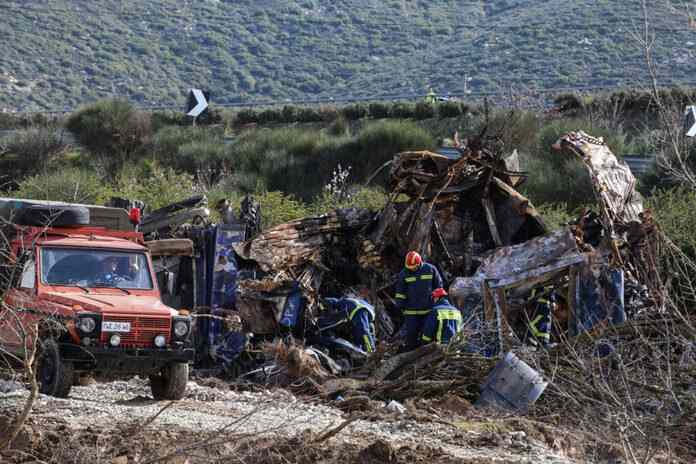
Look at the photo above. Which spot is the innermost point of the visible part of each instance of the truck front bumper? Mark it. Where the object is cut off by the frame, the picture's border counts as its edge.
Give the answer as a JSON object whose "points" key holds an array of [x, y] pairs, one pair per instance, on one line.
{"points": [[124, 360]]}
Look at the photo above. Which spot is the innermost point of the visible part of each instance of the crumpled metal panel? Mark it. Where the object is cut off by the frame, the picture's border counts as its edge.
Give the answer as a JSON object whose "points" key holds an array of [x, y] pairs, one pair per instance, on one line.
{"points": [[534, 253], [613, 180]]}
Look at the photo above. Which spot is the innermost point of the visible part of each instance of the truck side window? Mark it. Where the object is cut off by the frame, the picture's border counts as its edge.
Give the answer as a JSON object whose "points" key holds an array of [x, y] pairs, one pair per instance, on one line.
{"points": [[28, 275]]}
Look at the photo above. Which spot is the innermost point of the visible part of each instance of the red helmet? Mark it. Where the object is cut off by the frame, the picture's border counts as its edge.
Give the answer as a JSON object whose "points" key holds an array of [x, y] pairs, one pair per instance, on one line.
{"points": [[413, 261], [439, 293]]}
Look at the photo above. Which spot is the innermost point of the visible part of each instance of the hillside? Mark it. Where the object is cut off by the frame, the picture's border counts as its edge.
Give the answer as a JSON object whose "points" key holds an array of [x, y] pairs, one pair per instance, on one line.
{"points": [[61, 53]]}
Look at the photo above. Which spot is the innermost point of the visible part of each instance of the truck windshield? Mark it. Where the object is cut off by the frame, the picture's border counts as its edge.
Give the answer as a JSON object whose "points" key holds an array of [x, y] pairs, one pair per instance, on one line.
{"points": [[95, 268]]}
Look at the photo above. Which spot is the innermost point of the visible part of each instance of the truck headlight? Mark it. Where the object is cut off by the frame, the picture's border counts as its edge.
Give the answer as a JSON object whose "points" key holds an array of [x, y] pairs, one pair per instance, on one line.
{"points": [[181, 328], [160, 341], [87, 324]]}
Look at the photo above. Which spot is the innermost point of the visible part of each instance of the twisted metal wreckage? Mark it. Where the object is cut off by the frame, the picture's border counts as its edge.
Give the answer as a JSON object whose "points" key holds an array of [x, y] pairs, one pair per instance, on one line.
{"points": [[464, 215]]}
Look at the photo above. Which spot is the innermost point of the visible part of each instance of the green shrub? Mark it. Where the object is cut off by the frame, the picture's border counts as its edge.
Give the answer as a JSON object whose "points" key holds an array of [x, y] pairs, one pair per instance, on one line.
{"points": [[187, 148], [289, 114], [449, 109], [69, 185], [339, 127], [675, 213], [555, 215], [153, 184], [379, 110], [424, 110], [328, 113], [278, 207], [162, 119], [247, 116], [308, 114], [402, 110], [354, 112], [270, 116], [29, 151], [112, 129]]}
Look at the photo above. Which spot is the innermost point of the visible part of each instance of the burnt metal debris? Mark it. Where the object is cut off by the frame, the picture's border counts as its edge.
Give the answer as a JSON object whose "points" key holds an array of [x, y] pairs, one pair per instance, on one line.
{"points": [[464, 215]]}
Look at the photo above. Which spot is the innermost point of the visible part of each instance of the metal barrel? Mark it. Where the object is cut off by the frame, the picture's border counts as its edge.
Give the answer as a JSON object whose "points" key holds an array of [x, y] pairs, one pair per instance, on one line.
{"points": [[512, 385]]}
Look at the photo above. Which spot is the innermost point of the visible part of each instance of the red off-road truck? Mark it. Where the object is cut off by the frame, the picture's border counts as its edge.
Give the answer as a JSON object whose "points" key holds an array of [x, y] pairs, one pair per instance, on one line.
{"points": [[87, 299]]}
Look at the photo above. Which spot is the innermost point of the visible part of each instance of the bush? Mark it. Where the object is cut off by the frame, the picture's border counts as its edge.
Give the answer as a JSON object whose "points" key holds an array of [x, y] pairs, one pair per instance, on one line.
{"points": [[307, 114], [354, 112], [153, 184], [328, 113], [188, 148], [555, 215], [277, 208], [424, 110], [112, 129], [162, 119], [270, 116], [402, 110], [247, 116], [379, 110], [289, 113], [68, 185], [29, 151], [449, 109], [675, 212], [339, 128]]}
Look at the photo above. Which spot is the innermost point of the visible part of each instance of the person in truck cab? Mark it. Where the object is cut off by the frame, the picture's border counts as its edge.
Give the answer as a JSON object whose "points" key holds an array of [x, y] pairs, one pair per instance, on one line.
{"points": [[115, 269]]}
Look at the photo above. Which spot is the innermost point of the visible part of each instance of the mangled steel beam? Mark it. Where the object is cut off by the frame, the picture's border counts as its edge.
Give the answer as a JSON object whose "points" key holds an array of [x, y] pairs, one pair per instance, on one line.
{"points": [[614, 183], [296, 243]]}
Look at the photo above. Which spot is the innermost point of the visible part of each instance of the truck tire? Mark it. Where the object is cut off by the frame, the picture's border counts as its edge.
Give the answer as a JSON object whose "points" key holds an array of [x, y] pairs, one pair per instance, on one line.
{"points": [[55, 376], [170, 383], [50, 215]]}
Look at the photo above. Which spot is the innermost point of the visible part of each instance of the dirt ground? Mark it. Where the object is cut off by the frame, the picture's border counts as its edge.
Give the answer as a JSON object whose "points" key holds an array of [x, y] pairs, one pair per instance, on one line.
{"points": [[119, 422]]}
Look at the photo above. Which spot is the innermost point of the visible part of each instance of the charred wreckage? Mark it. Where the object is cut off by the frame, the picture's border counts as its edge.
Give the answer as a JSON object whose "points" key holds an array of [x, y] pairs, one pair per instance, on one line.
{"points": [[245, 287]]}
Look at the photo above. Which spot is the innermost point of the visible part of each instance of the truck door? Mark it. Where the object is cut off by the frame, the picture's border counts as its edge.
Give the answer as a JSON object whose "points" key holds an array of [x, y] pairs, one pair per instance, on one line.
{"points": [[17, 316]]}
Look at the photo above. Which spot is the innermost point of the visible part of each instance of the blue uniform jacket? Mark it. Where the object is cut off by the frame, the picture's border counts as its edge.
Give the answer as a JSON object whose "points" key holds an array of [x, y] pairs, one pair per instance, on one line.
{"points": [[361, 316], [414, 288], [442, 323]]}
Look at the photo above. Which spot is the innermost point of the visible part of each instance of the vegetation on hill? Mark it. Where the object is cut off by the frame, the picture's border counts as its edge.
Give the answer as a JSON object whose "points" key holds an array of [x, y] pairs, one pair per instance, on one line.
{"points": [[66, 52], [298, 168]]}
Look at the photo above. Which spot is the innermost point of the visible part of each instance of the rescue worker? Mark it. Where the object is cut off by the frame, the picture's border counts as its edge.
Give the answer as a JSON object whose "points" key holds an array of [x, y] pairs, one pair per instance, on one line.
{"points": [[361, 316], [444, 320], [414, 287], [539, 327]]}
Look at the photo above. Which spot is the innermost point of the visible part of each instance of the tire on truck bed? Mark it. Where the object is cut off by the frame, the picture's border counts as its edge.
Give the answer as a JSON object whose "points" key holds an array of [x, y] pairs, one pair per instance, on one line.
{"points": [[170, 383], [50, 215]]}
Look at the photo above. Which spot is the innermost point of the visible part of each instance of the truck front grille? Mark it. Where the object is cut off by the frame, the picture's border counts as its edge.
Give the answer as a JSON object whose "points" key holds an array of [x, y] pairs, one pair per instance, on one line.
{"points": [[143, 330]]}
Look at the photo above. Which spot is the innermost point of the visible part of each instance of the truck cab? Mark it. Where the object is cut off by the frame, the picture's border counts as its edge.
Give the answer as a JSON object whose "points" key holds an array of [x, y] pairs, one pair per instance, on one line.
{"points": [[86, 300]]}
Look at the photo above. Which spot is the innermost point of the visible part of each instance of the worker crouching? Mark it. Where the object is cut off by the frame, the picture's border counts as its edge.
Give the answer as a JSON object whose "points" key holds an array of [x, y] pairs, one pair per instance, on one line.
{"points": [[443, 321], [361, 316], [414, 287]]}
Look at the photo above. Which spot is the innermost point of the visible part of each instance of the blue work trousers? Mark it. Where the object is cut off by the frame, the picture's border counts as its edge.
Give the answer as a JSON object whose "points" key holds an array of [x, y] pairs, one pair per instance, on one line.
{"points": [[412, 330]]}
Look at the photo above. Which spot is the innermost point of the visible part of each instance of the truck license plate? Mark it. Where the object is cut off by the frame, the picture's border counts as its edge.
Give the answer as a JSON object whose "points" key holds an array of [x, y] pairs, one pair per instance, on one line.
{"points": [[111, 326]]}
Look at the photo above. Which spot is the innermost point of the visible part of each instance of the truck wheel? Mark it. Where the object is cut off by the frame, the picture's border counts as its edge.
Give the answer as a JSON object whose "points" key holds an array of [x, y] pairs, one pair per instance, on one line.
{"points": [[170, 383], [55, 375]]}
